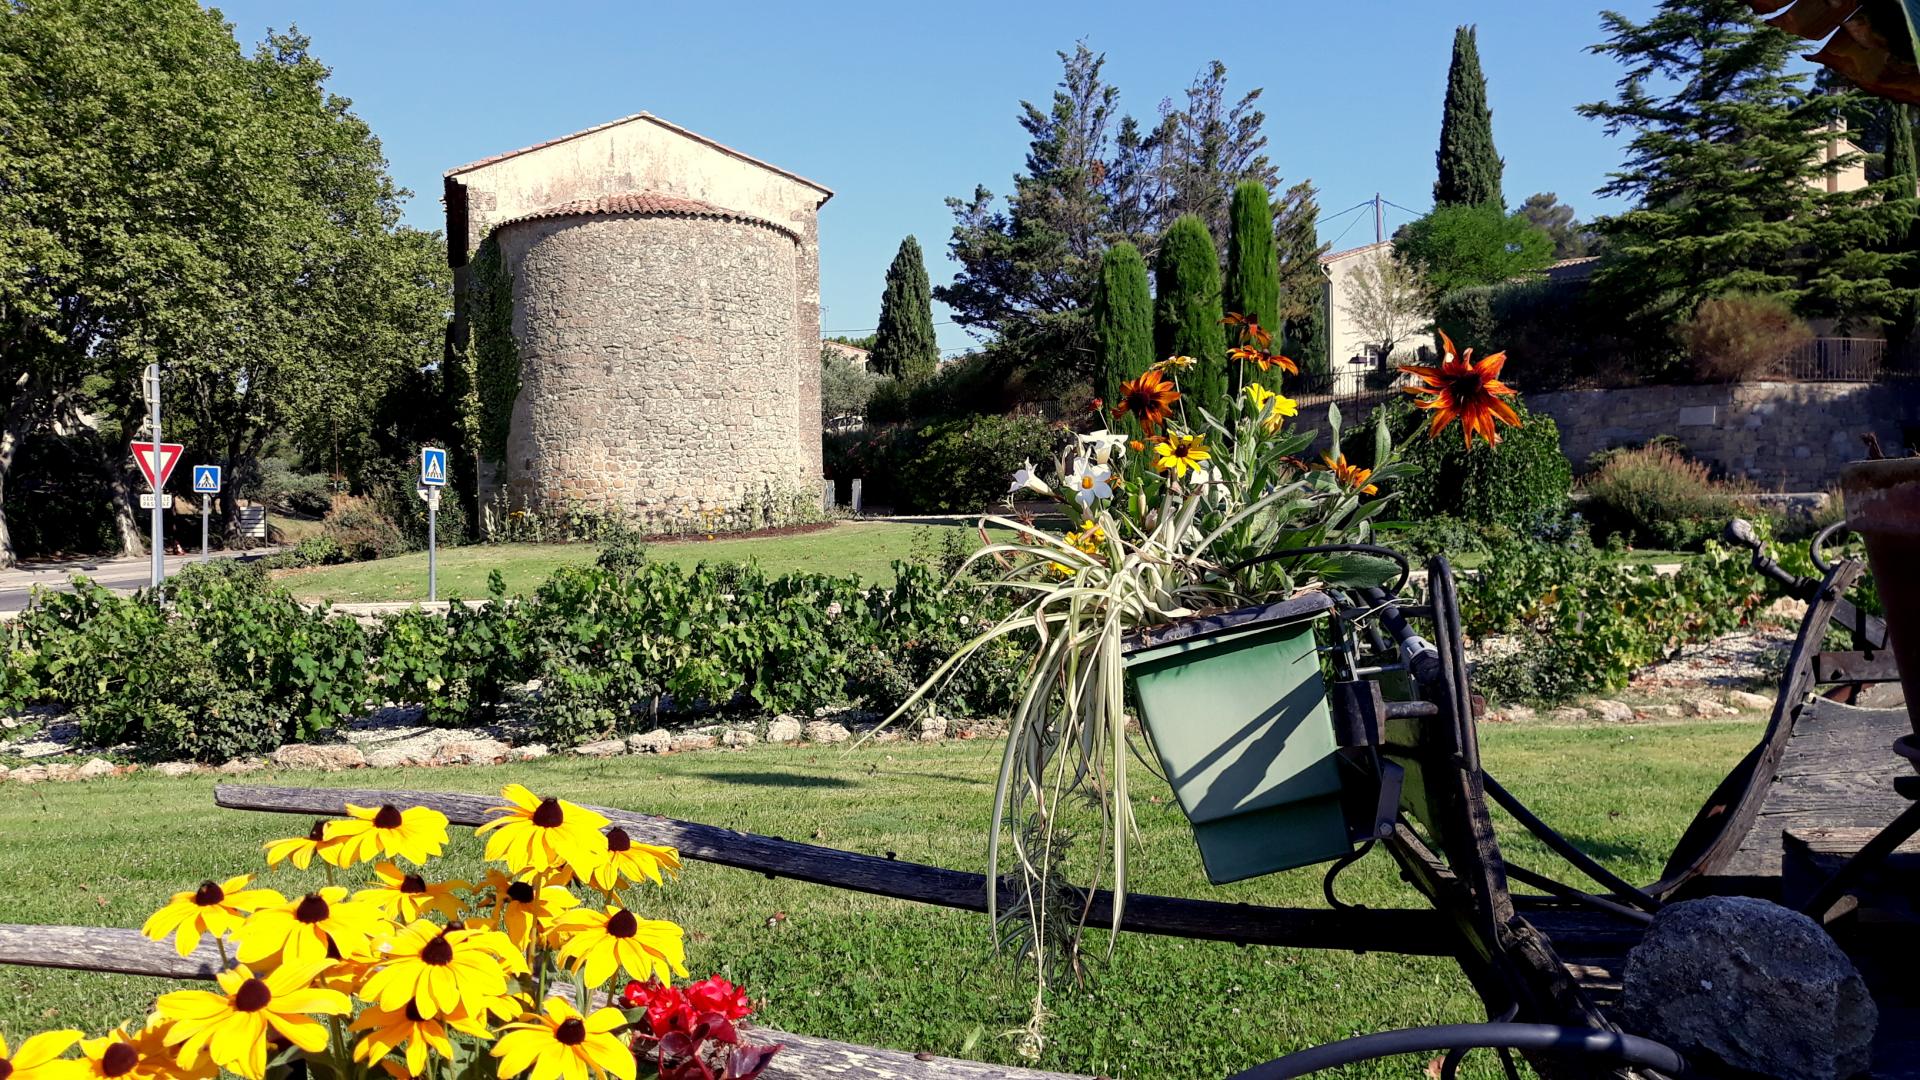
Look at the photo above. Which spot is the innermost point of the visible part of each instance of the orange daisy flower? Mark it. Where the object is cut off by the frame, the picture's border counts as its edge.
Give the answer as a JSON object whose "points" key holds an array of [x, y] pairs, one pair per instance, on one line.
{"points": [[1352, 477], [1249, 329], [1466, 390], [1264, 358], [1148, 398]]}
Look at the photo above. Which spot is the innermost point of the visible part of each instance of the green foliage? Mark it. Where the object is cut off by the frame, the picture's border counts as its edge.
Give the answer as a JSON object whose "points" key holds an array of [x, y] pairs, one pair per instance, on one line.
{"points": [[1252, 283], [944, 466], [1302, 328], [1521, 484], [1652, 496], [1727, 170], [458, 667], [1553, 334], [1187, 312], [289, 491], [1459, 247], [1544, 210], [359, 531], [904, 345], [1901, 160], [845, 387], [1736, 337], [1586, 623], [1468, 164], [321, 550], [495, 353], [1123, 317]]}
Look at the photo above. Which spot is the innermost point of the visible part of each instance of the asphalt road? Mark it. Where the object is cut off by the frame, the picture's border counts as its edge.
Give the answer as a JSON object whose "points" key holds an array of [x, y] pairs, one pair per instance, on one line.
{"points": [[120, 575]]}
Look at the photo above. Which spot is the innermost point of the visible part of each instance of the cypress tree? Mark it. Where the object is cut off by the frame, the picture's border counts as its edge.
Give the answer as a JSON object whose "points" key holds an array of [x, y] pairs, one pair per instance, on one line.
{"points": [[1252, 285], [1469, 166], [904, 346], [1303, 284], [1187, 313], [1901, 159], [1123, 317]]}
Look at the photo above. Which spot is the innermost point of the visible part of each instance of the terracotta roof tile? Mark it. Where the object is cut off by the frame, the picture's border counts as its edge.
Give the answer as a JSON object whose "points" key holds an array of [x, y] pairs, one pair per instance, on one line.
{"points": [[651, 203]]}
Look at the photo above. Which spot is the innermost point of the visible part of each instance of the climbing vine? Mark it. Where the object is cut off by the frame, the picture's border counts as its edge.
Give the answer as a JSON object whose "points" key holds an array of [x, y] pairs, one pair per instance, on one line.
{"points": [[493, 355]]}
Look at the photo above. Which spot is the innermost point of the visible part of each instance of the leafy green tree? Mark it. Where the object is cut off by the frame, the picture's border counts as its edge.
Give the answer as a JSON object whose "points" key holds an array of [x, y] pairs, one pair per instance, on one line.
{"points": [[1544, 210], [1187, 313], [1458, 247], [904, 346], [1727, 166], [1303, 291], [1123, 317], [1468, 164], [1252, 283]]}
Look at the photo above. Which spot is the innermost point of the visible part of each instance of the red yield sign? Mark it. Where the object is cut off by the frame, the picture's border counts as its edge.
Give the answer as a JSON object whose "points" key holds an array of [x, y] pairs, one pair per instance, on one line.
{"points": [[157, 462]]}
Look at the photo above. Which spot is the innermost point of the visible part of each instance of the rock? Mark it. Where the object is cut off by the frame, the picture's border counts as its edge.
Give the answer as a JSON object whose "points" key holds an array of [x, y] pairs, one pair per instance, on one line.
{"points": [[240, 766], [469, 752], [1518, 714], [1758, 986], [1613, 712], [1741, 699], [692, 740], [932, 729], [657, 741], [399, 757], [175, 769], [826, 731], [3, 772], [738, 738], [530, 752], [330, 757], [28, 774], [1668, 711], [603, 748], [784, 729], [1569, 714], [1707, 707], [63, 772], [94, 769]]}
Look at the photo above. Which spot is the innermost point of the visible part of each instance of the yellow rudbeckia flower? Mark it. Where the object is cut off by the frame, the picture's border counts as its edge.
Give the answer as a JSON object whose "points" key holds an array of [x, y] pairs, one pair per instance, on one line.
{"points": [[405, 897], [525, 910], [599, 943], [1181, 454], [560, 1044], [536, 835], [216, 908], [415, 834], [389, 1028], [442, 971], [39, 1057], [231, 1026], [138, 1055], [629, 861], [301, 930], [302, 849]]}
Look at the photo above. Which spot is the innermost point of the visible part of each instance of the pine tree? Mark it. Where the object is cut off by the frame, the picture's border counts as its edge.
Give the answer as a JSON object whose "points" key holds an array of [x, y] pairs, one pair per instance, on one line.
{"points": [[1727, 165], [1123, 317], [1469, 166], [1187, 313], [1303, 285], [1252, 283], [904, 346]]}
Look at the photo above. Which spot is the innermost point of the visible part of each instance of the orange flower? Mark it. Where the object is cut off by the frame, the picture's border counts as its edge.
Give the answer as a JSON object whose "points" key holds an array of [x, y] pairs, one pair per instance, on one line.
{"points": [[1264, 358], [1149, 398], [1465, 390], [1352, 477], [1250, 330]]}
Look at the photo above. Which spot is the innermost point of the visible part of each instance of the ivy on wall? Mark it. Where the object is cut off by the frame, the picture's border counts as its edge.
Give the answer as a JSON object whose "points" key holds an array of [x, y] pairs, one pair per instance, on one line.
{"points": [[493, 355]]}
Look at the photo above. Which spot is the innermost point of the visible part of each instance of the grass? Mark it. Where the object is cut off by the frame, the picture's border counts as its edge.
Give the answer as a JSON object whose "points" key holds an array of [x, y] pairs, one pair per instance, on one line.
{"points": [[866, 548], [878, 971]]}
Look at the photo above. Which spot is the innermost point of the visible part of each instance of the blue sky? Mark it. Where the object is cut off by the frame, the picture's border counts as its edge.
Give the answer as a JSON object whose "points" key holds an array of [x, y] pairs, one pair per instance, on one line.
{"points": [[897, 105]]}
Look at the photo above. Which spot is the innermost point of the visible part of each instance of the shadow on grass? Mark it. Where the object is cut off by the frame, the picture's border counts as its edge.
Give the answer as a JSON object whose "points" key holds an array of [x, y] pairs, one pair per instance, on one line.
{"points": [[773, 779]]}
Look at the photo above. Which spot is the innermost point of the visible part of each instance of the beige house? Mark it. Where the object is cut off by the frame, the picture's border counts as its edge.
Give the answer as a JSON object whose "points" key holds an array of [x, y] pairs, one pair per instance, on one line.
{"points": [[1352, 351], [666, 313], [852, 354]]}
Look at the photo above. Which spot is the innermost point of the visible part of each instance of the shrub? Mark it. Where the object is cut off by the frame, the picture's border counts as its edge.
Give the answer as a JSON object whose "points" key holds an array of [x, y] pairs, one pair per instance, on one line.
{"points": [[359, 530], [845, 387], [1741, 336], [946, 466], [1522, 484], [457, 668], [290, 492], [1654, 497], [319, 550]]}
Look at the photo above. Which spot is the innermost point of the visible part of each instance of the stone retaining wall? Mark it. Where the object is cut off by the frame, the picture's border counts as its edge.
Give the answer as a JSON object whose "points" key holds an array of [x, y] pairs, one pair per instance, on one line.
{"points": [[1777, 435]]}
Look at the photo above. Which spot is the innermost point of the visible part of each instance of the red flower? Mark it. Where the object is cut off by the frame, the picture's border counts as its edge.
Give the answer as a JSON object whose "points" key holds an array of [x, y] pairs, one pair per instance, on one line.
{"points": [[715, 994], [1097, 405]]}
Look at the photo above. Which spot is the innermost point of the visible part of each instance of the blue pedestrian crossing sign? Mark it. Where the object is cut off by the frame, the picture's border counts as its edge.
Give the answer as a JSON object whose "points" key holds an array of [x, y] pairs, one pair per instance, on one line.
{"points": [[433, 466], [206, 479]]}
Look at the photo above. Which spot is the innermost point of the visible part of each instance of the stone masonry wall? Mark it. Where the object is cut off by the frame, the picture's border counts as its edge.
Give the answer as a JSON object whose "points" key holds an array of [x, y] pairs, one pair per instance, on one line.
{"points": [[658, 371], [1779, 436]]}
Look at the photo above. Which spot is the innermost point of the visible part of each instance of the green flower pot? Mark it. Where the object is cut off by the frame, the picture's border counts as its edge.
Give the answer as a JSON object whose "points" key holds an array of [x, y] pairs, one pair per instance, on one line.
{"points": [[1237, 712]]}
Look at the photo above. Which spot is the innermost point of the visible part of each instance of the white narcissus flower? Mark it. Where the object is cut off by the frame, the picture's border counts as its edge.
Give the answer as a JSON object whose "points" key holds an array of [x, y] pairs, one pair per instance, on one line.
{"points": [[1026, 480], [1102, 443], [1089, 481]]}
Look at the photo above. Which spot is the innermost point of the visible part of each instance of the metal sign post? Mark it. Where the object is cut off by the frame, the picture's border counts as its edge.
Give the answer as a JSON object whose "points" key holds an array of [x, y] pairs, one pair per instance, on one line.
{"points": [[433, 477], [206, 483], [154, 519]]}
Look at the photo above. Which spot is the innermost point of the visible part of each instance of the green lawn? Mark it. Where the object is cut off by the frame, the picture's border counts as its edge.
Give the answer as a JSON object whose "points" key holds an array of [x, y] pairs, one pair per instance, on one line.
{"points": [[866, 548], [887, 972]]}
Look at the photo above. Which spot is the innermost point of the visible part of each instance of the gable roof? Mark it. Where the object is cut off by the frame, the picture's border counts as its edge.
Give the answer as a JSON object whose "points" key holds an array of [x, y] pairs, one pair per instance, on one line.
{"points": [[648, 203], [652, 119], [1336, 256]]}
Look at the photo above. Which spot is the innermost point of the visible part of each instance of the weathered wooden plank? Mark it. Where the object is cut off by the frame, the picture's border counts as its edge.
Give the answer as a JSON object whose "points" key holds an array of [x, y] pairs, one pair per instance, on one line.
{"points": [[1414, 932], [105, 949], [805, 1057]]}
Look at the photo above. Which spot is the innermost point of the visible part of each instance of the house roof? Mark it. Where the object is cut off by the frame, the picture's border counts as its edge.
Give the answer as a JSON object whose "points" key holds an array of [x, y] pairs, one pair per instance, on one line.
{"points": [[1575, 269], [648, 203], [652, 119], [852, 352], [1336, 256]]}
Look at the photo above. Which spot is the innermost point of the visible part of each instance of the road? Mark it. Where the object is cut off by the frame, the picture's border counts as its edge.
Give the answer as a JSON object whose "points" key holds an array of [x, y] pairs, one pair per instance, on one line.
{"points": [[120, 575]]}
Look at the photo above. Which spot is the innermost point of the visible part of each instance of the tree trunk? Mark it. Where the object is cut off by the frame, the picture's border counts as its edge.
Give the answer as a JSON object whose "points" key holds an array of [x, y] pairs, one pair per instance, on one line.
{"points": [[133, 541], [10, 439]]}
